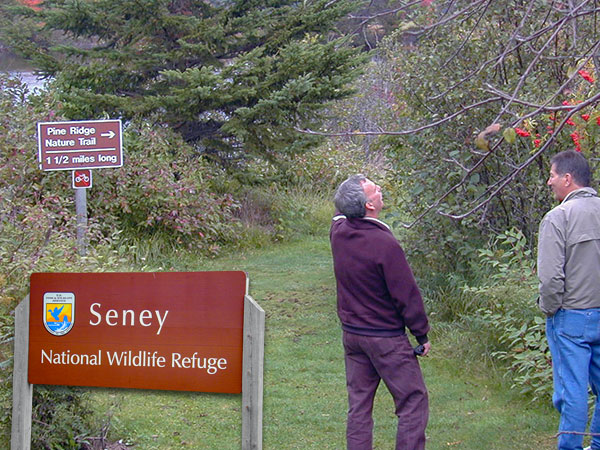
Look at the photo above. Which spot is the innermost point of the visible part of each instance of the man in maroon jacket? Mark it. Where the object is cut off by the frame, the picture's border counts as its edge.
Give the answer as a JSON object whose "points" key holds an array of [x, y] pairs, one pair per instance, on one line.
{"points": [[377, 299]]}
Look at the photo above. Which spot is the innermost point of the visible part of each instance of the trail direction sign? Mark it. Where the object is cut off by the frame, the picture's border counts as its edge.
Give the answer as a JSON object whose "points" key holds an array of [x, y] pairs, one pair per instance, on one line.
{"points": [[91, 144]]}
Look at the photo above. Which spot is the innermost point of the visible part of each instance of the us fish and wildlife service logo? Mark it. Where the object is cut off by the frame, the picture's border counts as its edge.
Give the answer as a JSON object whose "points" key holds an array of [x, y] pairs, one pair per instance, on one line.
{"points": [[59, 312]]}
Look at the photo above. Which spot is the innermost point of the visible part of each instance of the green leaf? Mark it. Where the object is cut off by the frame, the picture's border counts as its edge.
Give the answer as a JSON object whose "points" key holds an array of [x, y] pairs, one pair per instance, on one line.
{"points": [[482, 143], [510, 135]]}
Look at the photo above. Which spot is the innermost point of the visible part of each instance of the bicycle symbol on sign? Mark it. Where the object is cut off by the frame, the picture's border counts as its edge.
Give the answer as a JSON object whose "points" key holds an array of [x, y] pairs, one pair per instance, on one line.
{"points": [[82, 178]]}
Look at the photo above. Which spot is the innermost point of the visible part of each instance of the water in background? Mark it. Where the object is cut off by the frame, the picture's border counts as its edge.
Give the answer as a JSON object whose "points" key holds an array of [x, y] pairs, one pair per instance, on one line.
{"points": [[20, 68]]}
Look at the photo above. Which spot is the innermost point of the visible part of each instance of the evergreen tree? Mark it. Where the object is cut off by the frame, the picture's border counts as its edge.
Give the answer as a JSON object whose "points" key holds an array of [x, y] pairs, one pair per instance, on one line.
{"points": [[227, 75]]}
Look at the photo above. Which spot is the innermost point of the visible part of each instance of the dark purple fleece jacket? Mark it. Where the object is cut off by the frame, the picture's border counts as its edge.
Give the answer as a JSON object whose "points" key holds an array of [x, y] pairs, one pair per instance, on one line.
{"points": [[377, 294]]}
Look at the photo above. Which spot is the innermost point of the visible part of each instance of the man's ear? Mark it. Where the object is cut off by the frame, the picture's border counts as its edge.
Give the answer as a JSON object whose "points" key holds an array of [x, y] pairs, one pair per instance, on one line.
{"points": [[568, 179], [369, 206]]}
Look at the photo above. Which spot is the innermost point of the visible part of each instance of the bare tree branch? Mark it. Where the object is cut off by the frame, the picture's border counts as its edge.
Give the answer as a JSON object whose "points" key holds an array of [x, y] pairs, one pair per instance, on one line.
{"points": [[551, 44], [504, 182], [463, 110]]}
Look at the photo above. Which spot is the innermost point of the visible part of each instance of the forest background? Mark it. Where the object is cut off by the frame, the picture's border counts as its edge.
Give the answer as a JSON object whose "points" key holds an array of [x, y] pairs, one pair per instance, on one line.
{"points": [[241, 118]]}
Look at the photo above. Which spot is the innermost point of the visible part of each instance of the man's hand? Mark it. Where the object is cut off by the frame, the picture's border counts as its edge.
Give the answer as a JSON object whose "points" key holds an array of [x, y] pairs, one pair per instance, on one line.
{"points": [[423, 349], [426, 348]]}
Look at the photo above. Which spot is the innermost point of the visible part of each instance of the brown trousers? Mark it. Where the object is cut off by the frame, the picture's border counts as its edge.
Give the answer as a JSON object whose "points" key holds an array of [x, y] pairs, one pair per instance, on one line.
{"points": [[391, 359]]}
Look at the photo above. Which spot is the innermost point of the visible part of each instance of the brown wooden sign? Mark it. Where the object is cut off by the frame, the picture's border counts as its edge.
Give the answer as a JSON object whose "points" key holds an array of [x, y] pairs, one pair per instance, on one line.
{"points": [[91, 144], [173, 331]]}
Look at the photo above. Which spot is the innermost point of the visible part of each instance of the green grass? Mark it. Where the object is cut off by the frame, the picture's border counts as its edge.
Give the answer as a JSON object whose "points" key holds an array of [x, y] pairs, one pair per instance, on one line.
{"points": [[304, 385]]}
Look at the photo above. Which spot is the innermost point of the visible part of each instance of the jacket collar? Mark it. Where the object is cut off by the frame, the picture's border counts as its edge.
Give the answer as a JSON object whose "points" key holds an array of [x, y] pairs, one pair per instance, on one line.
{"points": [[378, 221], [580, 193], [371, 219]]}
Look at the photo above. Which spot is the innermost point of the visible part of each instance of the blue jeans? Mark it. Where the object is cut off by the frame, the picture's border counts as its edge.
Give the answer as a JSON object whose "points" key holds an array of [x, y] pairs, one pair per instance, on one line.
{"points": [[574, 341]]}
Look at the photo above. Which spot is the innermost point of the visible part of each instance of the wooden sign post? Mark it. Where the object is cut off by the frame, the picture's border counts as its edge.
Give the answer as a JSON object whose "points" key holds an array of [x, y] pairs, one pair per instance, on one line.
{"points": [[22, 390]]}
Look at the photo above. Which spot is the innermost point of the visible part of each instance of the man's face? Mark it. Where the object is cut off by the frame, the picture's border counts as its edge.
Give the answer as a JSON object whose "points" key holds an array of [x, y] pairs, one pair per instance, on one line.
{"points": [[558, 184], [374, 198]]}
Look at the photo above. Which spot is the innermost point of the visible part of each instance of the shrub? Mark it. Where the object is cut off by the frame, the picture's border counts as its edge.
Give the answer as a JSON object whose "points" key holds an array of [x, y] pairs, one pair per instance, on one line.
{"points": [[61, 418], [508, 316], [292, 195], [164, 189], [324, 168], [34, 207]]}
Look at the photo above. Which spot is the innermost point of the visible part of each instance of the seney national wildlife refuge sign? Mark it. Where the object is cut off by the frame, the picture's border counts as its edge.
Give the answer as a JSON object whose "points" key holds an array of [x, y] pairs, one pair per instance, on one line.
{"points": [[174, 331]]}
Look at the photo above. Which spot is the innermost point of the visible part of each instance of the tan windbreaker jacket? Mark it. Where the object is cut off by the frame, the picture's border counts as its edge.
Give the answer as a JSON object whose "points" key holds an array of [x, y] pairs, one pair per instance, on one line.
{"points": [[569, 254]]}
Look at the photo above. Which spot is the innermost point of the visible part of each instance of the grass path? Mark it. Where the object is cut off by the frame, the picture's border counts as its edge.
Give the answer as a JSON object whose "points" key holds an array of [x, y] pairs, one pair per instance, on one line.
{"points": [[304, 396]]}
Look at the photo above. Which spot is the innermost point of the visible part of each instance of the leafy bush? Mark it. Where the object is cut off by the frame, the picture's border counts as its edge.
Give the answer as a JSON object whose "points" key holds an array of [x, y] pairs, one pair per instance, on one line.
{"points": [[288, 195], [36, 209], [324, 168], [61, 418], [164, 189], [275, 213], [508, 317]]}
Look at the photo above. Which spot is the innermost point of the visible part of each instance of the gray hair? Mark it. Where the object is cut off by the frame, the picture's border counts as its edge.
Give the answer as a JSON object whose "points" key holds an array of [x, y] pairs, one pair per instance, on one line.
{"points": [[350, 198]]}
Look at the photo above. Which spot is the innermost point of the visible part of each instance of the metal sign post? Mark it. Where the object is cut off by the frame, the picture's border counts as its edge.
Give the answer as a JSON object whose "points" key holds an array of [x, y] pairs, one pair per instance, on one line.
{"points": [[80, 146], [82, 219]]}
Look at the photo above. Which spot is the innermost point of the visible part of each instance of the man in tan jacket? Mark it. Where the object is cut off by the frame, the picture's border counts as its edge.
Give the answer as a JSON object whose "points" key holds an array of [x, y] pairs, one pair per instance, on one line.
{"points": [[569, 274]]}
